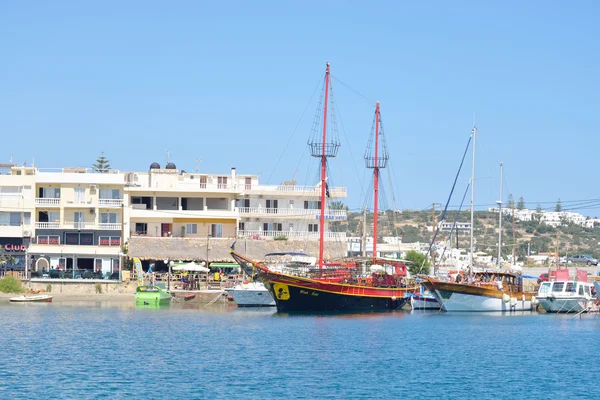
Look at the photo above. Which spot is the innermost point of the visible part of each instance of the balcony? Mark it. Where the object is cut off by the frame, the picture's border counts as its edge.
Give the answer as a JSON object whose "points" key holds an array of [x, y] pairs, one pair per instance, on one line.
{"points": [[110, 227], [110, 202], [47, 225], [42, 201], [291, 235], [294, 190], [292, 212]]}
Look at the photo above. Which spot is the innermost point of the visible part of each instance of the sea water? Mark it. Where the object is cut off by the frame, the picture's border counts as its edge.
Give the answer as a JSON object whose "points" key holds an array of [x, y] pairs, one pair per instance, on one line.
{"points": [[117, 351]]}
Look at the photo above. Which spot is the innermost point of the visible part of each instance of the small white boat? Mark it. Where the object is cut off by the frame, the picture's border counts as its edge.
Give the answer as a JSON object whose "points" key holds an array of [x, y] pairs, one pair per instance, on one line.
{"points": [[40, 298], [251, 294], [566, 296], [424, 302]]}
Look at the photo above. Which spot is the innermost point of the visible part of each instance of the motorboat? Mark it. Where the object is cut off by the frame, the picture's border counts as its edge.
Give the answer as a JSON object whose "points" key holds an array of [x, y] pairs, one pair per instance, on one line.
{"points": [[151, 295], [40, 298], [251, 294], [567, 296]]}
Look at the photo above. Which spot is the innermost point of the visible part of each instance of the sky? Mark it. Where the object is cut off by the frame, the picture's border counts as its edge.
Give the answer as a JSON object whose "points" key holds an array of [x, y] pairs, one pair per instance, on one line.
{"points": [[236, 84]]}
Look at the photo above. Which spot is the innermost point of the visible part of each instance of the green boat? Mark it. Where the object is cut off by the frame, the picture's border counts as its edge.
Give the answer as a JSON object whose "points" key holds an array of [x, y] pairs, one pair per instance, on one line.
{"points": [[150, 295]]}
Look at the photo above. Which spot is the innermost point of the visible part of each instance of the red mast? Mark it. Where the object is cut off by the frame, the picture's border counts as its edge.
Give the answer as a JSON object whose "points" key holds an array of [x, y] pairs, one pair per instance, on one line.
{"points": [[375, 159], [376, 182], [323, 170], [320, 148]]}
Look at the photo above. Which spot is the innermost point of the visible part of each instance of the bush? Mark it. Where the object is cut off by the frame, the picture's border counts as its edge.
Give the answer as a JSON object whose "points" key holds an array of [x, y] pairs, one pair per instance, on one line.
{"points": [[98, 287], [280, 237], [10, 284], [48, 288]]}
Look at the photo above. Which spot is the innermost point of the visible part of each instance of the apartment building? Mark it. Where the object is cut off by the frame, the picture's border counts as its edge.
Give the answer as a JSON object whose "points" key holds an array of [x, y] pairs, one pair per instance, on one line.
{"points": [[71, 223]]}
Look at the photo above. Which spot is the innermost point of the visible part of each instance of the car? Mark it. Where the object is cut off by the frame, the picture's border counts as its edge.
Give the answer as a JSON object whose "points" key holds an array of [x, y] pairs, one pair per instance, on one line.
{"points": [[583, 259], [543, 278]]}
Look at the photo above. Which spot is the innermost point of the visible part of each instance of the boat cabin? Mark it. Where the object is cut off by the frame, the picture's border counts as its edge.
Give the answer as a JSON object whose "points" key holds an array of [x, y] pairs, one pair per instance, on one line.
{"points": [[565, 289]]}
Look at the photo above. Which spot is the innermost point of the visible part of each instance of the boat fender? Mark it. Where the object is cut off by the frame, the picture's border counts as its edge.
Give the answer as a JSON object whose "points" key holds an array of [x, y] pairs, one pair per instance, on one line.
{"points": [[394, 298], [534, 300], [513, 301], [505, 298]]}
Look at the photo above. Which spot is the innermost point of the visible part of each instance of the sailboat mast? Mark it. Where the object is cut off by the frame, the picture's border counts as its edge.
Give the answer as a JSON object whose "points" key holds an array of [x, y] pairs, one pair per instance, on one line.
{"points": [[500, 221], [474, 133], [323, 170], [376, 183]]}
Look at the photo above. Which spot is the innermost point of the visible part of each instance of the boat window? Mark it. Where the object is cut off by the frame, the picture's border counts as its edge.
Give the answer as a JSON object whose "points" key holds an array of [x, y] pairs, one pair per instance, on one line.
{"points": [[558, 286], [570, 287], [581, 290], [545, 288], [587, 290]]}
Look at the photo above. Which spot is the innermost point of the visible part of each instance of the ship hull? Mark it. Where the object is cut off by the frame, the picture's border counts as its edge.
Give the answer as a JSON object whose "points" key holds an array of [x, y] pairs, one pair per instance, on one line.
{"points": [[420, 302], [553, 305], [472, 298]]}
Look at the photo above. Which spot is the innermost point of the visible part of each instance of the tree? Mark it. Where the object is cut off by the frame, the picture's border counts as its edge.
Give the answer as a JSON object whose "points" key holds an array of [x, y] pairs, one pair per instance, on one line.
{"points": [[538, 213], [102, 164], [511, 201], [338, 205], [521, 203], [558, 207], [419, 264]]}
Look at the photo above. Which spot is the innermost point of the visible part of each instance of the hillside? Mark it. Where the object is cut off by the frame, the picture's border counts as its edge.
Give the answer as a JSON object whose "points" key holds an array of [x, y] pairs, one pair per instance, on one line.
{"points": [[415, 226]]}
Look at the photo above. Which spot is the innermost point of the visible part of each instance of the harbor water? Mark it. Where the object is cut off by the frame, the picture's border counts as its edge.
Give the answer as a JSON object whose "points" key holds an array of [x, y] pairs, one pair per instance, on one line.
{"points": [[117, 351]]}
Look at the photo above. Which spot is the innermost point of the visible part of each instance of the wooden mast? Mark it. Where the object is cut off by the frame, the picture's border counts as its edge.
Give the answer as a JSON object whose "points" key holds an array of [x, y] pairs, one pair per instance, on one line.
{"points": [[376, 183], [323, 170]]}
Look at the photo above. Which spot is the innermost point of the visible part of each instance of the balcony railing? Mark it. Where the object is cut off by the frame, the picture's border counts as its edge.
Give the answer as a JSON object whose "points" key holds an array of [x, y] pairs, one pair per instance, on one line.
{"points": [[334, 191], [110, 202], [110, 227], [291, 235], [47, 225], [329, 214], [42, 201]]}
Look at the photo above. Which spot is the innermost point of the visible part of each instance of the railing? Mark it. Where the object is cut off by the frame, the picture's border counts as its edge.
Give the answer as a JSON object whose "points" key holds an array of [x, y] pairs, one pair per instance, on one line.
{"points": [[196, 184], [42, 201], [295, 188], [291, 235], [47, 225], [110, 227], [110, 202], [329, 214]]}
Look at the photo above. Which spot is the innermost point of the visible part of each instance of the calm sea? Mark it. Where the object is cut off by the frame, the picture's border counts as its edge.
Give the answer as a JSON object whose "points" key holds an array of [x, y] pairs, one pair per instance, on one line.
{"points": [[187, 351]]}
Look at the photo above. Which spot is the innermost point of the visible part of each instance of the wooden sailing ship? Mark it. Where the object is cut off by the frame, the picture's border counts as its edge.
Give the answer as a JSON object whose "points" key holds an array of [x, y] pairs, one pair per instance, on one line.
{"points": [[337, 287], [482, 291]]}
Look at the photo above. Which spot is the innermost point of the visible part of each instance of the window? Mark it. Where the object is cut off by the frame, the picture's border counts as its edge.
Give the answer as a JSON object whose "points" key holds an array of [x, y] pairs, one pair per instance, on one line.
{"points": [[111, 194], [141, 228], [10, 218], [313, 227], [10, 192], [312, 205], [78, 220], [109, 218], [273, 227], [79, 195], [98, 264], [570, 287], [242, 226], [49, 193], [248, 183], [581, 290], [216, 230], [115, 265], [222, 182], [27, 218], [545, 288], [191, 229], [558, 286], [272, 206]]}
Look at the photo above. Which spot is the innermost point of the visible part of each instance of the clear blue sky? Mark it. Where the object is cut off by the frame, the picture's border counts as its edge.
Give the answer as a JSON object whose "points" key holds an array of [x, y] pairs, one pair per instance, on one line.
{"points": [[227, 82]]}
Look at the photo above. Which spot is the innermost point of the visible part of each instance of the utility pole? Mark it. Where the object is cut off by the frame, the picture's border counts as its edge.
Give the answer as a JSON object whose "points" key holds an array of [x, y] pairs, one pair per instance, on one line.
{"points": [[363, 242], [514, 257], [557, 265]]}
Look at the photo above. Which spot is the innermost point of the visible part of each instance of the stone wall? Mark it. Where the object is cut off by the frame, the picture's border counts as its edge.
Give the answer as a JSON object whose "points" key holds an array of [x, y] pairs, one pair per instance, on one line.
{"points": [[147, 248]]}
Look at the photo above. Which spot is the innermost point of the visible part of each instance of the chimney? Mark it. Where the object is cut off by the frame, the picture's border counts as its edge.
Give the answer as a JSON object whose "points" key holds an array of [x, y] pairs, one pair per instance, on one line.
{"points": [[233, 175]]}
